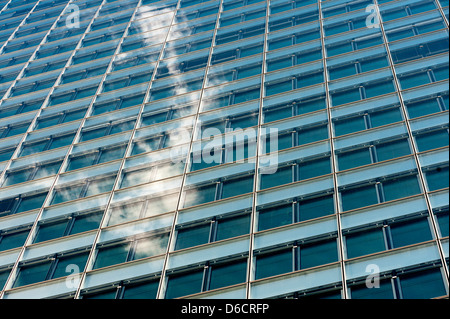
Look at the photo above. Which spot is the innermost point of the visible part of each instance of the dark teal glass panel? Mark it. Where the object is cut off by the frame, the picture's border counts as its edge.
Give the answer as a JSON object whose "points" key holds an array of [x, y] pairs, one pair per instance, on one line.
{"points": [[227, 275], [274, 264], [318, 254], [359, 197], [423, 285], [193, 236], [364, 243], [146, 290], [185, 284], [274, 217], [232, 227], [410, 232], [112, 255]]}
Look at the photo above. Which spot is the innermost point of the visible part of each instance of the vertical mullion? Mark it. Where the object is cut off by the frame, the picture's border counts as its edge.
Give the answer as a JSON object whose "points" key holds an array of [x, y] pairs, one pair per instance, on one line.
{"points": [[334, 170], [422, 181], [171, 242], [251, 262], [14, 269]]}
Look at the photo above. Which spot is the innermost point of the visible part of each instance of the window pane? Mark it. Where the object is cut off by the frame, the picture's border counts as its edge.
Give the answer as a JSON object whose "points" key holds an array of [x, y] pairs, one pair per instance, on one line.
{"points": [[283, 175], [437, 178], [432, 140], [32, 274], [70, 265], [314, 168], [401, 187], [125, 213], [31, 202], [193, 236], [355, 158], [51, 231], [86, 222], [385, 117], [359, 197], [316, 207], [318, 254], [273, 264], [423, 285], [112, 255], [222, 276], [13, 240], [146, 290], [410, 232], [186, 284], [77, 162], [391, 150], [274, 217], [200, 195], [152, 246], [238, 186], [232, 227], [364, 243], [383, 292]]}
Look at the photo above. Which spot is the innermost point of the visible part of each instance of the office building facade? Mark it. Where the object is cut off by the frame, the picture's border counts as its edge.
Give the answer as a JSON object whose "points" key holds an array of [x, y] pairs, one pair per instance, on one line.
{"points": [[224, 149]]}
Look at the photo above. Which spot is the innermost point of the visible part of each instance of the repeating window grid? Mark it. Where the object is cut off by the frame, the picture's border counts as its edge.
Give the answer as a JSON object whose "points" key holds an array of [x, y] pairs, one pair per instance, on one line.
{"points": [[251, 259], [322, 36], [163, 279], [92, 255], [333, 158], [415, 150], [33, 230], [21, 23], [441, 10], [33, 122]]}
